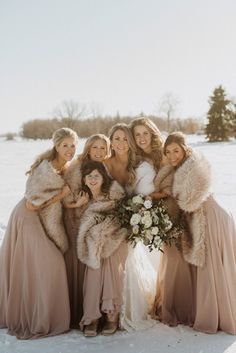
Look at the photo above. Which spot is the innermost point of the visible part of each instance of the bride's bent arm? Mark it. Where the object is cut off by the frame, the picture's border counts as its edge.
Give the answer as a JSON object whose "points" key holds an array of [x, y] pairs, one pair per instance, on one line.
{"points": [[157, 195]]}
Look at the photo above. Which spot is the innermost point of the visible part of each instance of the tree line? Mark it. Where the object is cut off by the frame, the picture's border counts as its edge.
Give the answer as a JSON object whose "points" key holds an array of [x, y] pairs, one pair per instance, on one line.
{"points": [[220, 126]]}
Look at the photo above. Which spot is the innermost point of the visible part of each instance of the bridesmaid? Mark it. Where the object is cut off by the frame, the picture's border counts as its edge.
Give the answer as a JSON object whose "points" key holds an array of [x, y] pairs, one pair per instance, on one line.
{"points": [[213, 230], [34, 299], [102, 247], [96, 148], [174, 301]]}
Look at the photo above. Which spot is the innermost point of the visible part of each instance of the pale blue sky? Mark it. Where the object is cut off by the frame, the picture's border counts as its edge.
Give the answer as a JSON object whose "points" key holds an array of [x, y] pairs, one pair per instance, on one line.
{"points": [[124, 55]]}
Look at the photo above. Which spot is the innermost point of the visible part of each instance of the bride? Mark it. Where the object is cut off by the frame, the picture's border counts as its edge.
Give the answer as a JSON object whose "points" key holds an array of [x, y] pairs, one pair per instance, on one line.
{"points": [[137, 176]]}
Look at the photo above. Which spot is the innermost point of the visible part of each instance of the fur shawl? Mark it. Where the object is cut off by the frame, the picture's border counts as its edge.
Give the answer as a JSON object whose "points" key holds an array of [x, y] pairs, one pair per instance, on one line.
{"points": [[41, 186], [163, 183], [73, 178], [191, 188], [100, 234]]}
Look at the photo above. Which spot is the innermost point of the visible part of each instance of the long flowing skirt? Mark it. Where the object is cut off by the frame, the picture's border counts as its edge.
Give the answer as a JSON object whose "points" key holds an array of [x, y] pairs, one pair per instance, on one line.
{"points": [[34, 300], [75, 269], [216, 282], [139, 289], [175, 295]]}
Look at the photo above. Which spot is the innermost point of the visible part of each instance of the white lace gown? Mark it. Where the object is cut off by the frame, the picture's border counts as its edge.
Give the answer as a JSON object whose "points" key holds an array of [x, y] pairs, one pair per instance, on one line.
{"points": [[140, 269]]}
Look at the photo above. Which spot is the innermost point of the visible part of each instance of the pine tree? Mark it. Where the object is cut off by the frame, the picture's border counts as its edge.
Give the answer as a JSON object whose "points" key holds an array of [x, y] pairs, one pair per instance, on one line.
{"points": [[233, 117], [219, 116]]}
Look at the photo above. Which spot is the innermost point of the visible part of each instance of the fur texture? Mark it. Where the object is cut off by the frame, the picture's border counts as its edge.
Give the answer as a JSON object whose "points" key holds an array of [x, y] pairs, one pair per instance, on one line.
{"points": [[100, 234], [163, 183], [72, 178], [191, 187], [41, 186]]}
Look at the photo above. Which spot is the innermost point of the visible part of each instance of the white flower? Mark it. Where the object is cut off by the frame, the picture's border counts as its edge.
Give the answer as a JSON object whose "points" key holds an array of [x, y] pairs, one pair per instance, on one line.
{"points": [[148, 235], [137, 199], [146, 220], [135, 229], [155, 230], [168, 225], [135, 219], [157, 242], [147, 204]]}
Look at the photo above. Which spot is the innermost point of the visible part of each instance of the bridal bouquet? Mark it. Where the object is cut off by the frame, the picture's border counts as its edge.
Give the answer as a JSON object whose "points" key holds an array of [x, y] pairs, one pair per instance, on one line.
{"points": [[148, 222]]}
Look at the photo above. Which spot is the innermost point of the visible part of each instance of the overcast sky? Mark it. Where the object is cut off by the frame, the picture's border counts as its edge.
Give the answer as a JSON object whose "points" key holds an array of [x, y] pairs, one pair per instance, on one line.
{"points": [[117, 55]]}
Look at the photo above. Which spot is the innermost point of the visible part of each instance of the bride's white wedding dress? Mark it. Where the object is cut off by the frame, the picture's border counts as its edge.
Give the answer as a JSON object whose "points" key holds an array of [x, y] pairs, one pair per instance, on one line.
{"points": [[140, 269]]}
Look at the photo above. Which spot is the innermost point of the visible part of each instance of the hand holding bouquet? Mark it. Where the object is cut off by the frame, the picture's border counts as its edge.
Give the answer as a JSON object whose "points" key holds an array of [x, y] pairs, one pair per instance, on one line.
{"points": [[147, 222]]}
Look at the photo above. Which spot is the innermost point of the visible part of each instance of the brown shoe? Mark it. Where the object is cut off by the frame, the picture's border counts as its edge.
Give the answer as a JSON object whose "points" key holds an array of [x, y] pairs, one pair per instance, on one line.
{"points": [[91, 329], [110, 327]]}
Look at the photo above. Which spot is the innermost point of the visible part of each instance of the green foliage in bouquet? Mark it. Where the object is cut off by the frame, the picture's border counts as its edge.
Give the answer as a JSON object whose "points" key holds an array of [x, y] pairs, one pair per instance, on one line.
{"points": [[147, 222]]}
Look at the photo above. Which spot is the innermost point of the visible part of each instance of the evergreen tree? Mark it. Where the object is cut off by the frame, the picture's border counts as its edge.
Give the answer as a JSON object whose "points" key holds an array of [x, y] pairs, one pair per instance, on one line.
{"points": [[233, 117], [219, 117]]}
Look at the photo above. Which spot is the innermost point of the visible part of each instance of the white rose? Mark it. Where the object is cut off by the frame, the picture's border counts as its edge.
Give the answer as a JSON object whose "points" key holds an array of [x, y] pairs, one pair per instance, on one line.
{"points": [[147, 221], [147, 204], [168, 225], [155, 230], [137, 199], [135, 219]]}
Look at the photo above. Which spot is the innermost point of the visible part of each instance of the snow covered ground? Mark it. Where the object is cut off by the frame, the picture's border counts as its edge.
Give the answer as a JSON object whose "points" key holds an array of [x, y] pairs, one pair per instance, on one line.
{"points": [[15, 158]]}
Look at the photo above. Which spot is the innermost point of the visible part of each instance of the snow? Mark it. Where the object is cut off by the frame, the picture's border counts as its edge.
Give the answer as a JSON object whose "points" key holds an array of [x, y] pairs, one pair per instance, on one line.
{"points": [[15, 158]]}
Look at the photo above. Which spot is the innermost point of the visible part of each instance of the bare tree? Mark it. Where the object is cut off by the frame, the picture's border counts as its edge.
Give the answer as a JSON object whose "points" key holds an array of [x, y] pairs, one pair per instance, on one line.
{"points": [[70, 112], [168, 105], [95, 110]]}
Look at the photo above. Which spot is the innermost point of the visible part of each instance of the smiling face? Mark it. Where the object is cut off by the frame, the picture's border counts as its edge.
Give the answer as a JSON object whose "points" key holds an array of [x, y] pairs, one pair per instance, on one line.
{"points": [[175, 154], [94, 181], [120, 142], [98, 150], [66, 149], [143, 138]]}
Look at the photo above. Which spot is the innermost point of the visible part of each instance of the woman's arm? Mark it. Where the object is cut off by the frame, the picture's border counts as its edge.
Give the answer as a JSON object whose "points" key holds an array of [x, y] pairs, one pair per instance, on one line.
{"points": [[157, 195], [63, 193]]}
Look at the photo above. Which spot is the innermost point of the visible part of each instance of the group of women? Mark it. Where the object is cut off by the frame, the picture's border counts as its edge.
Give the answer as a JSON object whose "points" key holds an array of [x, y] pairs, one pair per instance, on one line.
{"points": [[65, 262]]}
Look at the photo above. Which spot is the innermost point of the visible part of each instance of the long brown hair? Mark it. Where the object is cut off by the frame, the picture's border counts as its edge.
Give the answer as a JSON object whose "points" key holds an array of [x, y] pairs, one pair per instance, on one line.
{"points": [[156, 154], [132, 154], [179, 138]]}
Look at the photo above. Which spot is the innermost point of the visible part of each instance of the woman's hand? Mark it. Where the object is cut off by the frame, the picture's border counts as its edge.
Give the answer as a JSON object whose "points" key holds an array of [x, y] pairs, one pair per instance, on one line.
{"points": [[82, 199], [31, 207]]}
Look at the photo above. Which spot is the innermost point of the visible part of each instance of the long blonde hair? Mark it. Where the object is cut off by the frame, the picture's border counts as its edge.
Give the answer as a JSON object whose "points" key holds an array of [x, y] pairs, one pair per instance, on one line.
{"points": [[85, 154], [132, 154], [57, 137], [156, 154]]}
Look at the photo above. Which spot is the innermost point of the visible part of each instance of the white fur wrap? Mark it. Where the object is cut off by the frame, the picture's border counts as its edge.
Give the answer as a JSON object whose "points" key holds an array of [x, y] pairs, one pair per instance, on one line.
{"points": [[191, 188], [41, 186], [100, 236]]}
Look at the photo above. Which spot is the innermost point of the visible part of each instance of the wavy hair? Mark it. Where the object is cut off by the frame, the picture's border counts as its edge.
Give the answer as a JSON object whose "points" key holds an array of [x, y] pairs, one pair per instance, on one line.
{"points": [[156, 154], [179, 138], [132, 154], [57, 137], [84, 156]]}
